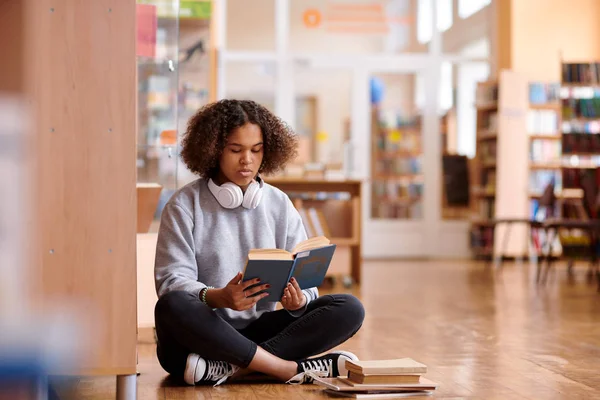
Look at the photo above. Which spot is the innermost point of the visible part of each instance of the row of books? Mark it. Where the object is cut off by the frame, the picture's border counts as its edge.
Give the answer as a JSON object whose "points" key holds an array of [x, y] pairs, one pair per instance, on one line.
{"points": [[543, 93], [545, 151], [487, 151], [398, 166], [410, 209], [392, 119], [542, 122], [584, 73], [489, 122], [397, 190], [578, 178], [540, 213], [397, 141], [482, 239], [486, 94], [578, 92], [579, 161], [319, 195], [539, 179], [580, 143], [581, 108], [488, 178], [579, 126], [314, 222], [487, 207]]}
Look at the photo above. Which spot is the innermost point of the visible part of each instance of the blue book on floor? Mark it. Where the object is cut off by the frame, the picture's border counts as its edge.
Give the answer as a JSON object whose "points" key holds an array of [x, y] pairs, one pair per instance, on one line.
{"points": [[308, 262]]}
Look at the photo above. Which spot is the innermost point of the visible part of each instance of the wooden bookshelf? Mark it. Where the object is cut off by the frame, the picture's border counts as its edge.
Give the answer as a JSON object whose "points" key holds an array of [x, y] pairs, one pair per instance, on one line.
{"points": [[544, 132], [338, 206], [580, 137], [487, 135], [522, 147], [484, 165]]}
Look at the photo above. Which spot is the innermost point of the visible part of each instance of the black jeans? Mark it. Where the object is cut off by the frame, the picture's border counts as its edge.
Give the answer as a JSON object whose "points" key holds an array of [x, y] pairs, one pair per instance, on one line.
{"points": [[184, 325]]}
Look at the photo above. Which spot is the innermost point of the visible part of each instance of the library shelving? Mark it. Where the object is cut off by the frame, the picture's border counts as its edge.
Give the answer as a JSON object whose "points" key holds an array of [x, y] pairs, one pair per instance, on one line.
{"points": [[484, 164], [396, 170], [580, 100], [545, 144], [505, 108], [533, 137], [331, 208]]}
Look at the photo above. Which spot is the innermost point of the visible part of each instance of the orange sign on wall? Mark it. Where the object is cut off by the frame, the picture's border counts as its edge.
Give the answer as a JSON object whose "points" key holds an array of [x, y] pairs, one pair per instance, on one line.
{"points": [[353, 18]]}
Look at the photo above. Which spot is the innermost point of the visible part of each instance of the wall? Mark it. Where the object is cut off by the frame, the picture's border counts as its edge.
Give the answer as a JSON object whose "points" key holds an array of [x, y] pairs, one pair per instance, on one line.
{"points": [[542, 29], [463, 31], [253, 29]]}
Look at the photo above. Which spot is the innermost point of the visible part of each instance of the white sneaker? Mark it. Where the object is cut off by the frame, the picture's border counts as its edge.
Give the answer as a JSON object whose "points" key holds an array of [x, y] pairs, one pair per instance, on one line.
{"points": [[330, 365], [199, 370]]}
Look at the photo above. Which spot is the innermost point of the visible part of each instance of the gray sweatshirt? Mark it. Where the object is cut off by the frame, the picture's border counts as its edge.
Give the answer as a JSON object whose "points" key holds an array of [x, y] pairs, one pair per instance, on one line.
{"points": [[201, 243]]}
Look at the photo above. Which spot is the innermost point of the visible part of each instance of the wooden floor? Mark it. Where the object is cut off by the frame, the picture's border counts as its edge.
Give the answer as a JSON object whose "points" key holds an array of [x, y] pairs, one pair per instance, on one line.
{"points": [[483, 334]]}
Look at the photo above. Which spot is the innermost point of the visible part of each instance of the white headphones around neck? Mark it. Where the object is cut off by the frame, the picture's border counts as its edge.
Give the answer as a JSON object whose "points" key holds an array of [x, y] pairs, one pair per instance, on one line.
{"points": [[230, 195]]}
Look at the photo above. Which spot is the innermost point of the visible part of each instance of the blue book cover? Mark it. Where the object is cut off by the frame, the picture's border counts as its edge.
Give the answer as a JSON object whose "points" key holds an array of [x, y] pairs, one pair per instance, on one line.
{"points": [[311, 266], [308, 267]]}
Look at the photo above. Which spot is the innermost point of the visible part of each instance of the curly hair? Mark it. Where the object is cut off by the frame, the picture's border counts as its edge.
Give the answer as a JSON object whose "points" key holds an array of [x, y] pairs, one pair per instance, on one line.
{"points": [[207, 131]]}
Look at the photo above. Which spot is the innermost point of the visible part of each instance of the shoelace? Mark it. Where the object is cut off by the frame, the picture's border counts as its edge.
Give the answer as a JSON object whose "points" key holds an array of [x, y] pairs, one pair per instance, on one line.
{"points": [[219, 371], [312, 369]]}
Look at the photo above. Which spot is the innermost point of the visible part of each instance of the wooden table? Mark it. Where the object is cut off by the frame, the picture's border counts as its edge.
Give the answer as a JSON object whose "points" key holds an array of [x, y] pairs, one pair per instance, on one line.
{"points": [[354, 188]]}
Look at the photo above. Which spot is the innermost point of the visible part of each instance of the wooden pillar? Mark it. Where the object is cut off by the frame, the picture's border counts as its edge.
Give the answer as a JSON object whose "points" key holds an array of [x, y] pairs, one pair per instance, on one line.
{"points": [[503, 39], [82, 82]]}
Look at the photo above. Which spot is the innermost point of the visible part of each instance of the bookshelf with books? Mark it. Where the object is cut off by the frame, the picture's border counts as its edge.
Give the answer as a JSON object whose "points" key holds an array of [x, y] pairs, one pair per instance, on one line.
{"points": [[330, 208], [484, 188], [545, 145], [397, 177], [517, 139], [580, 100], [519, 152]]}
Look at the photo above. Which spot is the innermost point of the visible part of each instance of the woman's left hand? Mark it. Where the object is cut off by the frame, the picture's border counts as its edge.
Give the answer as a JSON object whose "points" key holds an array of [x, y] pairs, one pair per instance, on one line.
{"points": [[293, 299]]}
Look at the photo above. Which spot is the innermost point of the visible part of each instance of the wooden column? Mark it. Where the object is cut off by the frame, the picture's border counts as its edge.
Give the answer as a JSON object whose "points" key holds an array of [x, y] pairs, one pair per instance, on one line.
{"points": [[82, 81]]}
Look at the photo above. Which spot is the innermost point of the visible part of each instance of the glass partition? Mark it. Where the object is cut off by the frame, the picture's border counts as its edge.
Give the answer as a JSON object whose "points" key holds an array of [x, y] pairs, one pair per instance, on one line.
{"points": [[173, 70]]}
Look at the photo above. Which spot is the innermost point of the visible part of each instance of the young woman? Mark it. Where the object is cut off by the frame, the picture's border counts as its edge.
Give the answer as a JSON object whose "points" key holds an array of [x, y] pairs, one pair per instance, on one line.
{"points": [[208, 323]]}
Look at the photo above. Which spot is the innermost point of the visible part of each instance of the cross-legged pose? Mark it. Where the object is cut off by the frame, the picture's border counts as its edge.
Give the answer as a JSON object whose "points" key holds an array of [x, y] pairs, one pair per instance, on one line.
{"points": [[208, 323]]}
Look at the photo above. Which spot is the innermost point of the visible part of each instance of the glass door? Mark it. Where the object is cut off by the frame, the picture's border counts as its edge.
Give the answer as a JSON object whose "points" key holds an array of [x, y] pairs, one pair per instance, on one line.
{"points": [[401, 193], [396, 148]]}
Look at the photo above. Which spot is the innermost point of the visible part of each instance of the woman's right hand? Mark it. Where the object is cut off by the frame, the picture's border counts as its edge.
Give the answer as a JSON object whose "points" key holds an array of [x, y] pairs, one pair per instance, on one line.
{"points": [[237, 296]]}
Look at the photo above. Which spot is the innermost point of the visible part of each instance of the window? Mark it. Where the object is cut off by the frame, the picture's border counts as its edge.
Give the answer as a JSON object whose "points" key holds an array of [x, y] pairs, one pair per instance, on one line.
{"points": [[444, 14], [479, 48], [445, 89], [425, 19], [466, 8]]}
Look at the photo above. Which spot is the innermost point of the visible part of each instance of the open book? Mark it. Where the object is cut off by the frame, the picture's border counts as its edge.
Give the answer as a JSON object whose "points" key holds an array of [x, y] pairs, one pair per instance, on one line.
{"points": [[307, 262]]}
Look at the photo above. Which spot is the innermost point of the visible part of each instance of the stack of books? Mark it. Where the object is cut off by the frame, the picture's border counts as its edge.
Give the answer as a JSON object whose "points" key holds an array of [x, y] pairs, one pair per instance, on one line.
{"points": [[382, 379]]}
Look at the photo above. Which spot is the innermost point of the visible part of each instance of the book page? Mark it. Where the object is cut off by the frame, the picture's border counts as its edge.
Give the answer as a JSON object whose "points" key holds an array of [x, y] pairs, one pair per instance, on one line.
{"points": [[312, 243], [269, 254]]}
